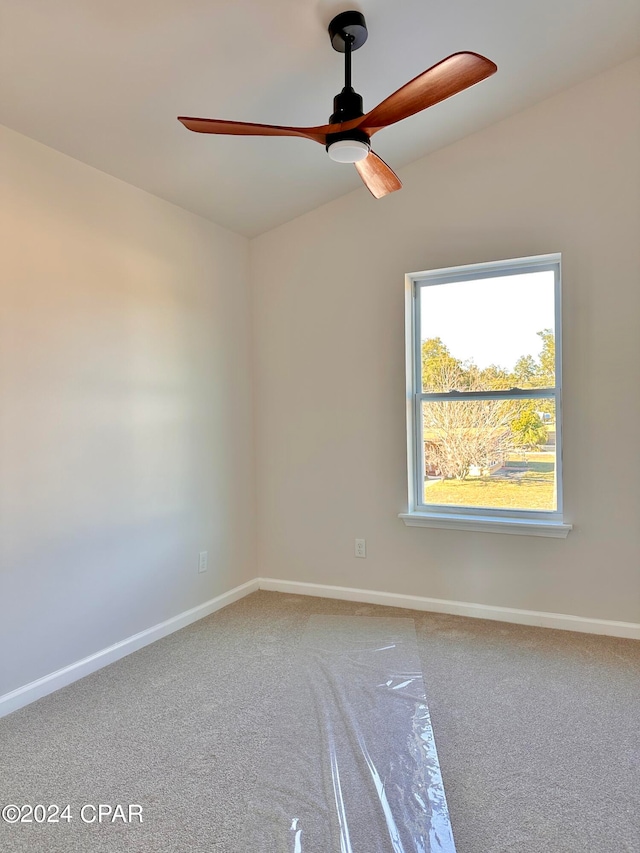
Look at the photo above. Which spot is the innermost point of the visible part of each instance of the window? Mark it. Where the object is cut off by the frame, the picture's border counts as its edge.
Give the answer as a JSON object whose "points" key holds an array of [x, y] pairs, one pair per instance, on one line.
{"points": [[483, 397]]}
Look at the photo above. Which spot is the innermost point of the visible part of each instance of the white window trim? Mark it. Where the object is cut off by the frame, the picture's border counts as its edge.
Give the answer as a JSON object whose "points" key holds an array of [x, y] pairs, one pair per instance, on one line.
{"points": [[526, 523]]}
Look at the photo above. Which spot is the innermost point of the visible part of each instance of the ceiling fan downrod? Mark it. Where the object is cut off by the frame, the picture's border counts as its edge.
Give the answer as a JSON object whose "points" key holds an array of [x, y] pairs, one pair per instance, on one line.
{"points": [[348, 104], [348, 32]]}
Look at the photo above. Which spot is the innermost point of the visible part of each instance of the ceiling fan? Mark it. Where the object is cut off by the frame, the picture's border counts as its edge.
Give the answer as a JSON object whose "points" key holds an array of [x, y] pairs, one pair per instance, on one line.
{"points": [[347, 137]]}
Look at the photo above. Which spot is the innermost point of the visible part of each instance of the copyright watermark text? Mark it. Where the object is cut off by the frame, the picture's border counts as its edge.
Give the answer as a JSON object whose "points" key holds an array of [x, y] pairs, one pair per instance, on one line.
{"points": [[106, 813]]}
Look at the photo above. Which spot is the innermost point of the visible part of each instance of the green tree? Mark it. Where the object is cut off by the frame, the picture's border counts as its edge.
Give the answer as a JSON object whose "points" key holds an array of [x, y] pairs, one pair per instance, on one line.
{"points": [[491, 378], [524, 371], [528, 430], [440, 370], [546, 374], [546, 371]]}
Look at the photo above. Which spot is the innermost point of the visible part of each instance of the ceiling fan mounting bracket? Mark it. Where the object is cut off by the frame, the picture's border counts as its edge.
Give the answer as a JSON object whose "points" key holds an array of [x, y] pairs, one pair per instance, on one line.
{"points": [[348, 27]]}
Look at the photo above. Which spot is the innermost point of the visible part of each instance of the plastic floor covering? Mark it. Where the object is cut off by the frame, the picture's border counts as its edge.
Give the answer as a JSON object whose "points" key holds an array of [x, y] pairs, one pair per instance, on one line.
{"points": [[356, 770]]}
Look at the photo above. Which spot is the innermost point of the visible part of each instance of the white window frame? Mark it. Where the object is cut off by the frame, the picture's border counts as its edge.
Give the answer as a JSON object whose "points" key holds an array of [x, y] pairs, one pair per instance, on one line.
{"points": [[419, 514]]}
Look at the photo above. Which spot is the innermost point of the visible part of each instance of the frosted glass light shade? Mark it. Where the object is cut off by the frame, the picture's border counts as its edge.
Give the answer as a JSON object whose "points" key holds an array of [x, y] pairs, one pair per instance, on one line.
{"points": [[348, 150]]}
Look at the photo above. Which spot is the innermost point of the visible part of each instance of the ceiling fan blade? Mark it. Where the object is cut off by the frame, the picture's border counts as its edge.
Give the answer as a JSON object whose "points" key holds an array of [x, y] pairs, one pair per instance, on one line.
{"points": [[450, 76], [378, 178], [243, 128]]}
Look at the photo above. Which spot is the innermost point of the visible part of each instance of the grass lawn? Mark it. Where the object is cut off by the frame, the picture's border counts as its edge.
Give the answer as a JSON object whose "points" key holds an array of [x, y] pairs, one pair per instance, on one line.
{"points": [[519, 485]]}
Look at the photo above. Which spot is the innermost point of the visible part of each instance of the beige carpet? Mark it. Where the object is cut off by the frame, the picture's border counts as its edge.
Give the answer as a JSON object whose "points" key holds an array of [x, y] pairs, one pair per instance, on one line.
{"points": [[538, 734]]}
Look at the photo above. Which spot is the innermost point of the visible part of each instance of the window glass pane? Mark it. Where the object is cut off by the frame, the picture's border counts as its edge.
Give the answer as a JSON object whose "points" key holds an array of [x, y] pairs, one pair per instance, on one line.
{"points": [[489, 333], [497, 454]]}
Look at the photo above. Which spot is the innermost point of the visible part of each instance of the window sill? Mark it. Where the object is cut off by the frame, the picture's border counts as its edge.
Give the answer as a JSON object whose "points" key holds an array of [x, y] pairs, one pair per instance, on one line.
{"points": [[521, 527]]}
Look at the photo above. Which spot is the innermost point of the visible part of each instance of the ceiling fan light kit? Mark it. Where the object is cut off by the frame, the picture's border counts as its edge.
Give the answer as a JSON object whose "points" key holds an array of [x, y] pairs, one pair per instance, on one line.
{"points": [[348, 150], [347, 137]]}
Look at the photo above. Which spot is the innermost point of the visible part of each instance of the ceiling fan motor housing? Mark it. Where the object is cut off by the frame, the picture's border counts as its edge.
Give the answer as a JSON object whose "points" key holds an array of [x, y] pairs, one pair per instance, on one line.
{"points": [[346, 106]]}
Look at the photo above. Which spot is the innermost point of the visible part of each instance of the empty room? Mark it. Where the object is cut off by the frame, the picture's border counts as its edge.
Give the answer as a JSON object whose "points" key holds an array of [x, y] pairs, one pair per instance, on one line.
{"points": [[319, 407]]}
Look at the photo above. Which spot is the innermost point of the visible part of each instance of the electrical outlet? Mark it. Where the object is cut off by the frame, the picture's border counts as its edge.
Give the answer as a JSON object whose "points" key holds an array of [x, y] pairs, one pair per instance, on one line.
{"points": [[361, 548], [202, 561]]}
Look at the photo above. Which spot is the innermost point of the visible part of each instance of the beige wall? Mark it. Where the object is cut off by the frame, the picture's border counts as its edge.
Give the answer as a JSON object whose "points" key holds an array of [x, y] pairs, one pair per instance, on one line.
{"points": [[125, 412], [327, 299]]}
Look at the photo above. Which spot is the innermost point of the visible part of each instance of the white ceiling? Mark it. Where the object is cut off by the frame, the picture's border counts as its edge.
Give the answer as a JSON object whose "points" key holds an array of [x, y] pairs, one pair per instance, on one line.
{"points": [[103, 81]]}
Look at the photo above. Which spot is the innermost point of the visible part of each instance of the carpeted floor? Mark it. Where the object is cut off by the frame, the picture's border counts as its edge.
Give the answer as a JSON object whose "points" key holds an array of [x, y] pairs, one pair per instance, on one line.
{"points": [[538, 734]]}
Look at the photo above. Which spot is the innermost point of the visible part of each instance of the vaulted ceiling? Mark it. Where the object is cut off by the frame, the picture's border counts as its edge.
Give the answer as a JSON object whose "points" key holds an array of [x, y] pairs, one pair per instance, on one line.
{"points": [[103, 81]]}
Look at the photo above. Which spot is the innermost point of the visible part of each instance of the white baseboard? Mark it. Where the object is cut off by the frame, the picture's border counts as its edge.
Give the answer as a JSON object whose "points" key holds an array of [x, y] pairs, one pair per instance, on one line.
{"points": [[68, 674], [55, 680], [629, 630]]}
